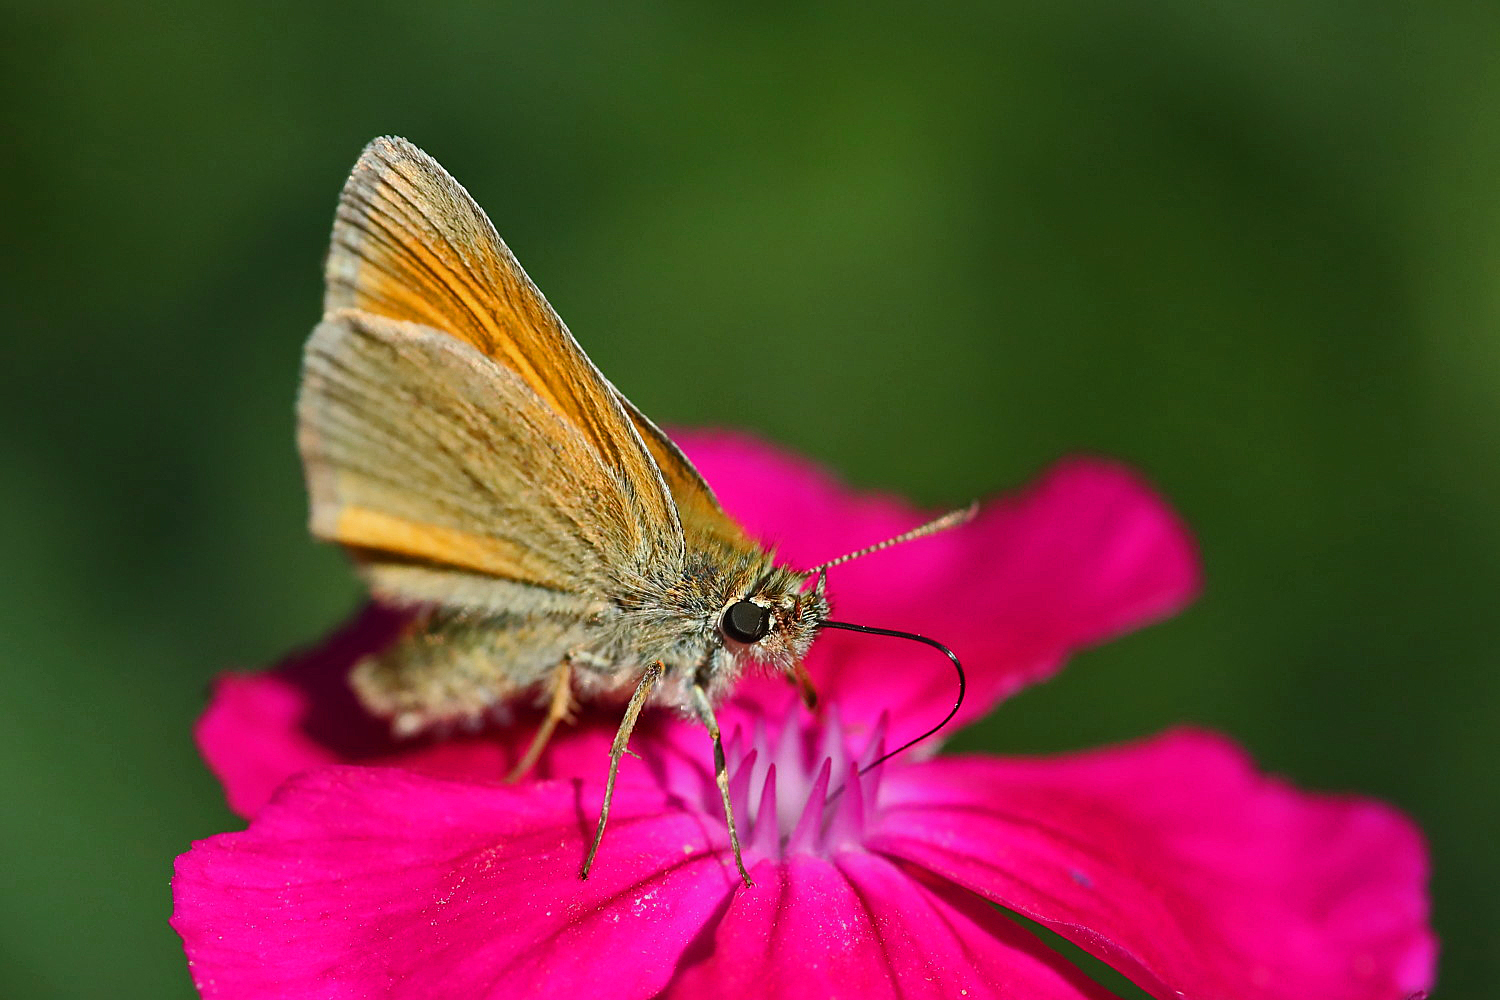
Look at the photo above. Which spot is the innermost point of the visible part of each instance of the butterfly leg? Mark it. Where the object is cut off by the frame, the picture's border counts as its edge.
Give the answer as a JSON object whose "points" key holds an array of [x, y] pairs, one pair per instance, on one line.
{"points": [[617, 750], [557, 710], [721, 776]]}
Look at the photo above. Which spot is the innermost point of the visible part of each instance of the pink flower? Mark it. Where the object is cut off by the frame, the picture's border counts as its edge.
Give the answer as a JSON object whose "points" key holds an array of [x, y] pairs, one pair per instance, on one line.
{"points": [[1171, 859]]}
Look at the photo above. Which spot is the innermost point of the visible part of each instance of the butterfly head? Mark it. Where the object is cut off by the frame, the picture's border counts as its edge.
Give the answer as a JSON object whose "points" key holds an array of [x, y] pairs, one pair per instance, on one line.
{"points": [[775, 620]]}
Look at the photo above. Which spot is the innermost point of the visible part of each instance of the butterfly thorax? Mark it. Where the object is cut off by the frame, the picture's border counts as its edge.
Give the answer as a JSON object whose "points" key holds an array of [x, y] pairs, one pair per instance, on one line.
{"points": [[677, 618]]}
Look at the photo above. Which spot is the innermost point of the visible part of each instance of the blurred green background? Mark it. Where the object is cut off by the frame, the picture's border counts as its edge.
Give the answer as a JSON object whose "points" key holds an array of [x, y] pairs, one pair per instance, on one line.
{"points": [[1251, 248]]}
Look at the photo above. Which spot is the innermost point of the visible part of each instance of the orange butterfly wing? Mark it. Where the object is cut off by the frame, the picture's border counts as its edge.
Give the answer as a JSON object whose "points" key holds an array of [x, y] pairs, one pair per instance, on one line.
{"points": [[409, 243]]}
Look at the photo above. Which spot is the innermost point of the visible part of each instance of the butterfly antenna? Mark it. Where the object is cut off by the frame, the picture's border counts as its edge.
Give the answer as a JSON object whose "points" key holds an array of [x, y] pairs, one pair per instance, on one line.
{"points": [[952, 519], [896, 634]]}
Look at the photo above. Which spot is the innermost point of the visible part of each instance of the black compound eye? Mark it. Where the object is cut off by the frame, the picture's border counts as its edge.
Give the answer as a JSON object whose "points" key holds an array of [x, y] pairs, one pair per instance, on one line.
{"points": [[746, 621]]}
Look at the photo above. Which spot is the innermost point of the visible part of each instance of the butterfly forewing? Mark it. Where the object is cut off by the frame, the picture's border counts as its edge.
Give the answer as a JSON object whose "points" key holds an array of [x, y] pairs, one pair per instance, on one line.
{"points": [[410, 244]]}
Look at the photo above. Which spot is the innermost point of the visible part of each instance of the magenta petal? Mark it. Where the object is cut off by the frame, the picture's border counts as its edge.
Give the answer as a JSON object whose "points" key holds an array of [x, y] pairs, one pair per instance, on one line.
{"points": [[261, 728], [861, 927], [1177, 863], [258, 711], [360, 882], [1086, 553]]}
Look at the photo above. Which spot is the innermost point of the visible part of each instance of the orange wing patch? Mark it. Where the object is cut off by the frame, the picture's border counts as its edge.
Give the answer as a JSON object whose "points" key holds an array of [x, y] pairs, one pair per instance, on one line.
{"points": [[362, 528]]}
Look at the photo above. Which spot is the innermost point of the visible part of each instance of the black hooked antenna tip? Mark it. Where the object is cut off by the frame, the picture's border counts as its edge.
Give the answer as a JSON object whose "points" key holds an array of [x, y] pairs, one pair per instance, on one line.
{"points": [[896, 634]]}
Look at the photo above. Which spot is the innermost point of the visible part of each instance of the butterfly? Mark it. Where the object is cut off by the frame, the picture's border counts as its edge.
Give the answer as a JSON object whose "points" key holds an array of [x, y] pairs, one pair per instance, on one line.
{"points": [[552, 541]]}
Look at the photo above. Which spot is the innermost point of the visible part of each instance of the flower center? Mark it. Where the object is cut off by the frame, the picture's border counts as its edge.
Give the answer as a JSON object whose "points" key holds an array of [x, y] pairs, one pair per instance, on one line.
{"points": [[797, 789]]}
